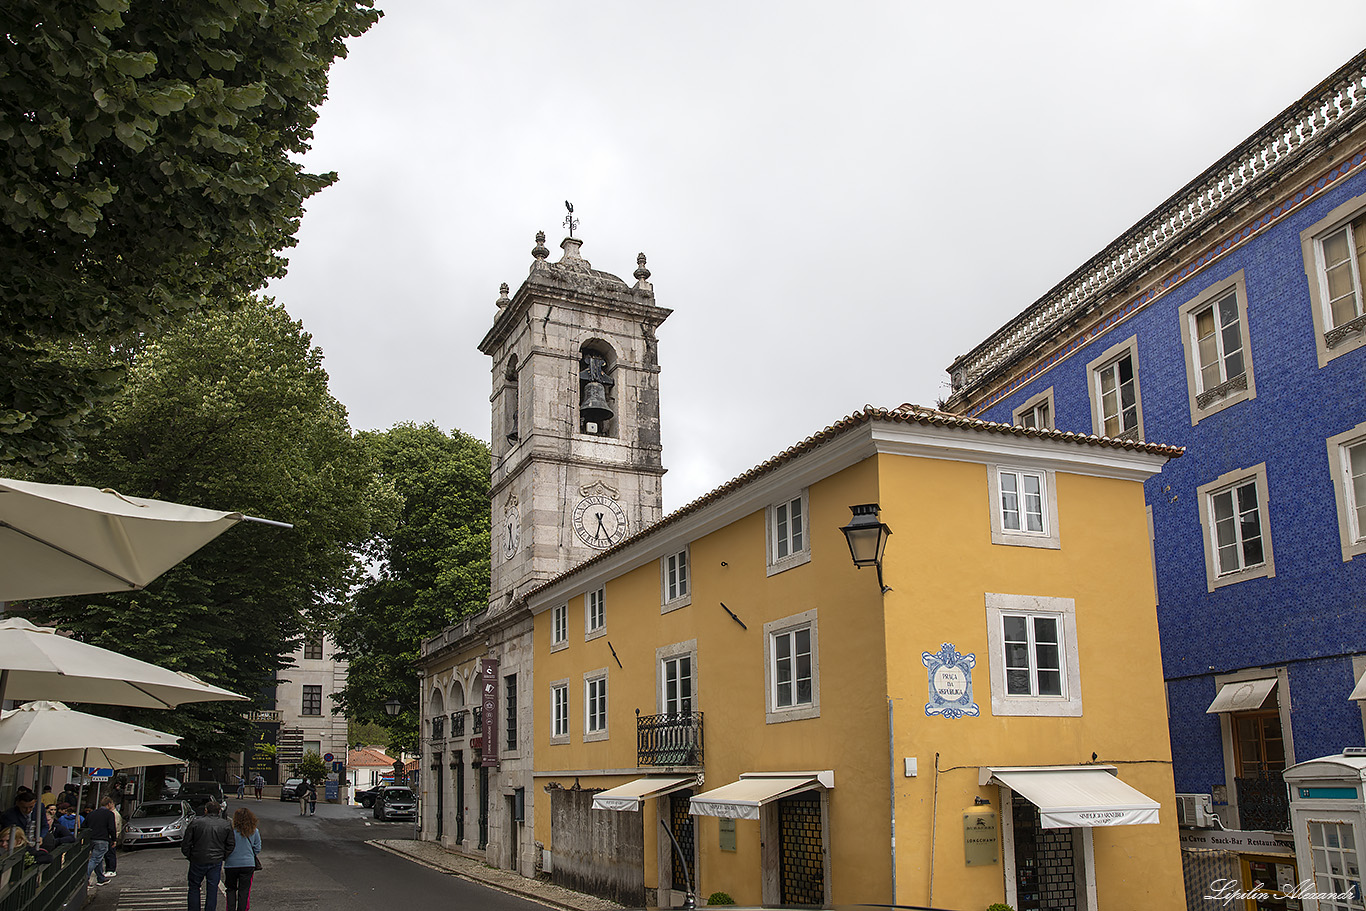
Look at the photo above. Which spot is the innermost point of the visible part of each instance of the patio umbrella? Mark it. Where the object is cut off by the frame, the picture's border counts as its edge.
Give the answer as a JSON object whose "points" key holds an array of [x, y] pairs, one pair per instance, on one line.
{"points": [[36, 662], [57, 539]]}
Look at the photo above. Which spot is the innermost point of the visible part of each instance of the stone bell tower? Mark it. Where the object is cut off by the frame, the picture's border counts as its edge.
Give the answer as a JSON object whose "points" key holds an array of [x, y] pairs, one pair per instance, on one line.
{"points": [[575, 401]]}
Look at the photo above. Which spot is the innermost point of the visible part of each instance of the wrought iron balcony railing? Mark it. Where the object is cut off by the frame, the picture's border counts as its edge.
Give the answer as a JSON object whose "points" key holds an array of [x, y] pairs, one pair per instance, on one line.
{"points": [[669, 740], [1263, 803], [458, 724], [439, 727]]}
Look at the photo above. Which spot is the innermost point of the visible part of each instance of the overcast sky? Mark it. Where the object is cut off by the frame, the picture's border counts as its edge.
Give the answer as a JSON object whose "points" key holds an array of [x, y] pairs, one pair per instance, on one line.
{"points": [[836, 199]]}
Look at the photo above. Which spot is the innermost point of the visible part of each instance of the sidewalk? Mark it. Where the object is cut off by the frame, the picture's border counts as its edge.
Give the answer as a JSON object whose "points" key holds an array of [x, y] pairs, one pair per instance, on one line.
{"points": [[438, 858]]}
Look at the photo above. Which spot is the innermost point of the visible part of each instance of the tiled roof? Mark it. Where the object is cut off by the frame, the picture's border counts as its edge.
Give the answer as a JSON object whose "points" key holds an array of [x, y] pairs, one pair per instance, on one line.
{"points": [[905, 414], [368, 757]]}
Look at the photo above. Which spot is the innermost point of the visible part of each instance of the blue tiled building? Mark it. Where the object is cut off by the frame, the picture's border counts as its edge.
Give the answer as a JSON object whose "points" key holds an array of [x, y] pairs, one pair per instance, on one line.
{"points": [[1230, 321]]}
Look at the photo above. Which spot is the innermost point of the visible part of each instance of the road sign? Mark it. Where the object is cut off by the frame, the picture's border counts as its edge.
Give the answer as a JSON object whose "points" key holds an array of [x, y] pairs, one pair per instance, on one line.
{"points": [[328, 757]]}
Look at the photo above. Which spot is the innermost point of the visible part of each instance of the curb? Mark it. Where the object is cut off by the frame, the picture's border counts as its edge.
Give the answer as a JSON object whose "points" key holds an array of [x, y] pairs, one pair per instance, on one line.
{"points": [[520, 893]]}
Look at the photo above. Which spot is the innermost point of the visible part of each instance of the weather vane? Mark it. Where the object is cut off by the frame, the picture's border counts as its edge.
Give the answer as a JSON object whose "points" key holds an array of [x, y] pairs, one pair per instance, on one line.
{"points": [[570, 221]]}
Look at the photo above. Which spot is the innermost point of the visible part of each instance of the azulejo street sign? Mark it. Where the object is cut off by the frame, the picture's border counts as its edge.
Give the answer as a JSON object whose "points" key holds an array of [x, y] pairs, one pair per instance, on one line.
{"points": [[950, 678]]}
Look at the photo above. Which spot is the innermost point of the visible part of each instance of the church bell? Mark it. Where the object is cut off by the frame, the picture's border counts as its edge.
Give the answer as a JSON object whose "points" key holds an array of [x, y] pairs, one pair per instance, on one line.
{"points": [[594, 408]]}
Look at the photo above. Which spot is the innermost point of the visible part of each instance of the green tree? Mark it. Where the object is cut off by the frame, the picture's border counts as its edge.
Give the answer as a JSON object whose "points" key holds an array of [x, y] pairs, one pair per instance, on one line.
{"points": [[232, 411], [431, 566], [148, 166], [311, 767]]}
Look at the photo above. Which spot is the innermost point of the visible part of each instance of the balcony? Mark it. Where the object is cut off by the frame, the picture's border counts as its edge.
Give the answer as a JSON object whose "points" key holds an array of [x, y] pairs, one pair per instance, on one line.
{"points": [[1263, 803], [439, 728], [457, 724], [669, 740]]}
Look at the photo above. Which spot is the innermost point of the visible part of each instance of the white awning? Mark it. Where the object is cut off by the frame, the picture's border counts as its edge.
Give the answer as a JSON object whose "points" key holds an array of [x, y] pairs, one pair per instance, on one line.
{"points": [[1359, 692], [1076, 796], [742, 799], [627, 797], [1242, 696]]}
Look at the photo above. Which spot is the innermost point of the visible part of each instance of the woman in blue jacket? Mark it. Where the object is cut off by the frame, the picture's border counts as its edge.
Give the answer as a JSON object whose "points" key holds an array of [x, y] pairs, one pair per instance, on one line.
{"points": [[240, 865]]}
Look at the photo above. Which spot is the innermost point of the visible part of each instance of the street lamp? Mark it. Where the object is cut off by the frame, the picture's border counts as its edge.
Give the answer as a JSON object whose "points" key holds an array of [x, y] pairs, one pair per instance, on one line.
{"points": [[391, 707], [867, 537]]}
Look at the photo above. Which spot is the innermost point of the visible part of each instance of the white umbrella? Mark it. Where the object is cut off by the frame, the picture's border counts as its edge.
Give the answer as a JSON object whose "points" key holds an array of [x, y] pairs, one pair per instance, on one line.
{"points": [[47, 727], [57, 539], [36, 662]]}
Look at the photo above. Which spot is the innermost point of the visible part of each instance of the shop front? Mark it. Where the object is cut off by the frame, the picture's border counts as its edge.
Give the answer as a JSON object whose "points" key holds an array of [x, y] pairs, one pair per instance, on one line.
{"points": [[1328, 820]]}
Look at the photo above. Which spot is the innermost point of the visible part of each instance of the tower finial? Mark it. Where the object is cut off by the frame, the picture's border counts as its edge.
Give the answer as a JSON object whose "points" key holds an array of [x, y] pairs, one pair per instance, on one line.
{"points": [[540, 251], [570, 221], [503, 300], [642, 274]]}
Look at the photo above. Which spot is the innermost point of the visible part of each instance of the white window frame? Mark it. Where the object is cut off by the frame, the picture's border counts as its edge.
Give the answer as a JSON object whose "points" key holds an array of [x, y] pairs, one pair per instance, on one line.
{"points": [[1064, 610], [1228, 483], [1031, 410], [595, 613], [1109, 358], [1332, 341], [559, 711], [673, 653], [678, 592], [1230, 390], [786, 626], [798, 549], [595, 689], [559, 627], [1351, 529], [1050, 537]]}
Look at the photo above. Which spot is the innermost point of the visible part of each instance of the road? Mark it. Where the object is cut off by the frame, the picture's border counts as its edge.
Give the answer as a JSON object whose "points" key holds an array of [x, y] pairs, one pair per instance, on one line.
{"points": [[315, 862]]}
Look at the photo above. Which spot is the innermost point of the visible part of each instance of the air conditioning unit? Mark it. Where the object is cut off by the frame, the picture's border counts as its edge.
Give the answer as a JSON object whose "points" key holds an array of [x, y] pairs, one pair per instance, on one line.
{"points": [[1196, 810]]}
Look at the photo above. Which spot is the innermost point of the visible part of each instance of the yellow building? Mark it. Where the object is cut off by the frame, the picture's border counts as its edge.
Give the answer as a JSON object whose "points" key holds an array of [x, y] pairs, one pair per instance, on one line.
{"points": [[725, 699]]}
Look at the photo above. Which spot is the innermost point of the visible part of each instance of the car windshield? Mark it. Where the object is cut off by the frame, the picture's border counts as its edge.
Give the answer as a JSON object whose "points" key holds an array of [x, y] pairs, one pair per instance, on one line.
{"points": [[201, 787], [393, 794], [157, 809]]}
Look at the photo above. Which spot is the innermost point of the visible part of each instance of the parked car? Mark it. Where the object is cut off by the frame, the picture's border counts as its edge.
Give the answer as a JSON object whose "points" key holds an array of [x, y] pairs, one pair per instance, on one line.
{"points": [[366, 798], [170, 788], [157, 822], [198, 793], [289, 790], [395, 802]]}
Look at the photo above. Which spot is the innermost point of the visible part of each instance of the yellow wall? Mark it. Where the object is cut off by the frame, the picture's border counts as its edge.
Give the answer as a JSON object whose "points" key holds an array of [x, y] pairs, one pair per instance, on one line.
{"points": [[940, 561]]}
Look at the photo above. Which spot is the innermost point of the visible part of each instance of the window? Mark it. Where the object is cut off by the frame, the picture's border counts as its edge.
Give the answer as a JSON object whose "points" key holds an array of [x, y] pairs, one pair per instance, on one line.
{"points": [[559, 711], [1333, 250], [1334, 859], [559, 626], [791, 653], [313, 700], [674, 580], [1347, 464], [1024, 506], [313, 647], [1116, 407], [1032, 646], [510, 717], [1237, 537], [1258, 746], [1218, 360], [595, 705], [1037, 411], [595, 612], [677, 674], [789, 544]]}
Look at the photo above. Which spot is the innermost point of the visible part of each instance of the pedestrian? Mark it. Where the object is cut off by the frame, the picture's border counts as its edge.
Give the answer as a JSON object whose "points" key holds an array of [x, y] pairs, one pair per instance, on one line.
{"points": [[244, 860], [111, 860], [258, 783], [241, 787], [301, 792], [207, 843], [103, 832], [312, 799]]}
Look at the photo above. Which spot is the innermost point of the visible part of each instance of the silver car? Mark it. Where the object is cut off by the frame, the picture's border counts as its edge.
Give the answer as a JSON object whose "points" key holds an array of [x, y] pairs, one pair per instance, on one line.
{"points": [[157, 822]]}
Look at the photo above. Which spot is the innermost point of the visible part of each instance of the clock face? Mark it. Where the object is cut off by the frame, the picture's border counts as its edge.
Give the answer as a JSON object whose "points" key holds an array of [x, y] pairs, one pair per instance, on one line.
{"points": [[512, 532], [599, 522]]}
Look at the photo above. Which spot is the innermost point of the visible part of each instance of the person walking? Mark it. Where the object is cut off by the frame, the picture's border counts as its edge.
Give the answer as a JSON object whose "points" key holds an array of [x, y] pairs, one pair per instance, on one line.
{"points": [[207, 843], [242, 863], [312, 799], [301, 792], [258, 783], [111, 860], [241, 787], [104, 830]]}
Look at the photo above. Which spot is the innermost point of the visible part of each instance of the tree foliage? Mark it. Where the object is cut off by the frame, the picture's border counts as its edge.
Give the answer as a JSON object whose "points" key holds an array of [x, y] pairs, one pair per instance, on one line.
{"points": [[311, 768], [147, 166], [431, 566], [230, 411]]}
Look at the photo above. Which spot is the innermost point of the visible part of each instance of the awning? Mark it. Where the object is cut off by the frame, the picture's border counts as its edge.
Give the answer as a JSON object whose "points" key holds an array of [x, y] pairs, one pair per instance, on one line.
{"points": [[742, 799], [1242, 696], [1076, 796], [1359, 692], [627, 797]]}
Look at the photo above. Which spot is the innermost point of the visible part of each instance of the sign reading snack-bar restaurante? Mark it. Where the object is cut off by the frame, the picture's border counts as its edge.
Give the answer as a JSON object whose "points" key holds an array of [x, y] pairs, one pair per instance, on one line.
{"points": [[488, 679]]}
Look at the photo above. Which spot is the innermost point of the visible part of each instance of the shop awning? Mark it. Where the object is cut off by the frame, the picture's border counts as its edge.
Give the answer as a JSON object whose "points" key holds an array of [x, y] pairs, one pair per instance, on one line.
{"points": [[742, 799], [1241, 696], [1359, 692], [627, 797], [1076, 796]]}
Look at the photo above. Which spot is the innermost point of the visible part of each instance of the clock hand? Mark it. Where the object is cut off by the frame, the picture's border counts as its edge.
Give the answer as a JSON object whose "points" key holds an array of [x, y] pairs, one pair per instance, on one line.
{"points": [[601, 532]]}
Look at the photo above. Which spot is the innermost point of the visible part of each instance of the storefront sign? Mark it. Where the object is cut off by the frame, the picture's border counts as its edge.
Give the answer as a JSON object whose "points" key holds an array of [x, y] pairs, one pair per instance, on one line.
{"points": [[489, 684], [980, 844], [1236, 840], [950, 676]]}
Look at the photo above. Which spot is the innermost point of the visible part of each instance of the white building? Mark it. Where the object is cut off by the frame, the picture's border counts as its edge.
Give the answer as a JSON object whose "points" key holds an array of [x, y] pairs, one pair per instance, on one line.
{"points": [[303, 697]]}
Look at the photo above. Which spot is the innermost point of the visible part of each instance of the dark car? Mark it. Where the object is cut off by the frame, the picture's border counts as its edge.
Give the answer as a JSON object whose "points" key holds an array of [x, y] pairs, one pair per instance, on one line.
{"points": [[157, 822], [396, 802], [290, 789], [367, 797], [198, 793]]}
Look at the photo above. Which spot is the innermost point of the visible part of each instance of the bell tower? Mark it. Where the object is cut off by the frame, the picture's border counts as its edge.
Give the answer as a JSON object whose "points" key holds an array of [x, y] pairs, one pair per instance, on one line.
{"points": [[575, 405]]}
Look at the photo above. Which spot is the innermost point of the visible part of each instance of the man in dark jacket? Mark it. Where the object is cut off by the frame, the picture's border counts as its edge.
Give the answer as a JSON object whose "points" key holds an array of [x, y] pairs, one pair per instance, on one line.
{"points": [[103, 830], [208, 841]]}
